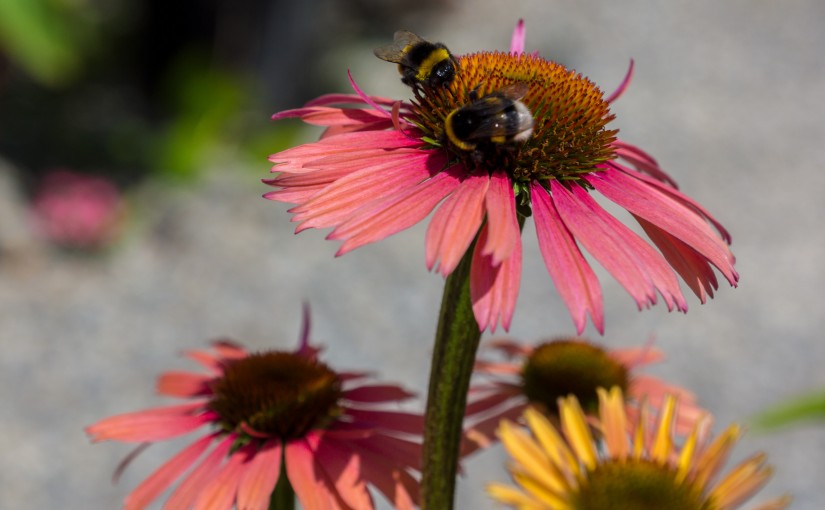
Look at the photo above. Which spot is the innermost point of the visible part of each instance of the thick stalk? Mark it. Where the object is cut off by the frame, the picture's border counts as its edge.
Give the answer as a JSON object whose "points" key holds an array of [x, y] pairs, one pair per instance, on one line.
{"points": [[283, 496], [456, 342]]}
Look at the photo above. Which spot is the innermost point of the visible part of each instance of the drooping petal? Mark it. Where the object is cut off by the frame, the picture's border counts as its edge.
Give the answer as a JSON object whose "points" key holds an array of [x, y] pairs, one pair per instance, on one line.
{"points": [[183, 384], [634, 263], [150, 425], [456, 223], [574, 278], [327, 116], [221, 492], [338, 202], [375, 221], [397, 485], [377, 393], [642, 161], [260, 477], [494, 288], [503, 230], [309, 486], [342, 468], [665, 213], [396, 421], [675, 195], [166, 475], [694, 269], [482, 433], [201, 477]]}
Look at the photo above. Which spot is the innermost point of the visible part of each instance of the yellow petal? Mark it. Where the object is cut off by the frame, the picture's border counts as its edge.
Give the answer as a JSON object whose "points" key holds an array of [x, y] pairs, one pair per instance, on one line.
{"points": [[577, 432], [663, 446], [613, 421], [552, 443]]}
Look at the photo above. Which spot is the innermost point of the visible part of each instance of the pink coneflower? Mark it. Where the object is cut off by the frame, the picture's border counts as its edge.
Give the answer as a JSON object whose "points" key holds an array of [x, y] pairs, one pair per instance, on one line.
{"points": [[383, 165], [77, 211], [537, 376], [329, 431]]}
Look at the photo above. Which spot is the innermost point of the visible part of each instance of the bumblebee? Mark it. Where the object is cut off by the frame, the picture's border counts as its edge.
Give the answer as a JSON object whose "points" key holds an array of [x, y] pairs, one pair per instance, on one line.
{"points": [[499, 117], [420, 62]]}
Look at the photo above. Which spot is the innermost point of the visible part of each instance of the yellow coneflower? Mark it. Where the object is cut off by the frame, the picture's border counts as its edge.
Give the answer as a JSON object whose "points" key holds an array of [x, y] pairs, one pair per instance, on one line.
{"points": [[569, 470]]}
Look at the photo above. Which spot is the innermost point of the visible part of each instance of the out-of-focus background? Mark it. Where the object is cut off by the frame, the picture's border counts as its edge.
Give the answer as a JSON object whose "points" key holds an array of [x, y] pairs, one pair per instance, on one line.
{"points": [[133, 135]]}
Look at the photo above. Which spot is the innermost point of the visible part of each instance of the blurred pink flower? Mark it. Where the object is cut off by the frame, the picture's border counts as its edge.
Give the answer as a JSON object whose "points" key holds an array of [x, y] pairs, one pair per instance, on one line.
{"points": [[331, 430], [537, 376], [385, 165], [76, 210]]}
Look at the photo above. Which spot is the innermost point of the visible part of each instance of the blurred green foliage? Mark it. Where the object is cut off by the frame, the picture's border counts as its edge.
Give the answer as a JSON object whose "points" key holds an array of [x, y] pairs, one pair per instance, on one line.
{"points": [[47, 38], [806, 407]]}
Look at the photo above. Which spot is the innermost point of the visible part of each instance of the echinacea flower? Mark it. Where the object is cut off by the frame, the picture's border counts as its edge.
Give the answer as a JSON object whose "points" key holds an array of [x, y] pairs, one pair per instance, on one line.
{"points": [[383, 165], [275, 414], [567, 469], [537, 376]]}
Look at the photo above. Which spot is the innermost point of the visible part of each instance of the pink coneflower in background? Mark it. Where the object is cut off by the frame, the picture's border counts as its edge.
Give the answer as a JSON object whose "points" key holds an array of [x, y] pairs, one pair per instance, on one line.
{"points": [[76, 210], [329, 431], [537, 376], [383, 165]]}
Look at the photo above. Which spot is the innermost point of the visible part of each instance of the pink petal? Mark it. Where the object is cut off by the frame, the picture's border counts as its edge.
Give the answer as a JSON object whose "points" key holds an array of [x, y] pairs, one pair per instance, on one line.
{"points": [[389, 420], [642, 161], [517, 41], [637, 357], [220, 493], [486, 367], [164, 476], [456, 223], [494, 288], [150, 425], [399, 452], [377, 393], [342, 468], [260, 477], [373, 184], [665, 213], [633, 262], [622, 86], [509, 348], [483, 434], [326, 116], [574, 278], [375, 221], [397, 485], [691, 266], [483, 405], [229, 350], [309, 486], [676, 195], [503, 229], [347, 99], [199, 479], [183, 384]]}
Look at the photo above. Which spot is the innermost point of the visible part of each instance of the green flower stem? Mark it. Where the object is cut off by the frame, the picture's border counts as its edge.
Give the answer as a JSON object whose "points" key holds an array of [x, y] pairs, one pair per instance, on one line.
{"points": [[283, 496], [456, 342]]}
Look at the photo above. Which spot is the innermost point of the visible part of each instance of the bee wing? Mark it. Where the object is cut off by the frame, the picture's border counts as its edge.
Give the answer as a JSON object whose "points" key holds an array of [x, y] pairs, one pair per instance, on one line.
{"points": [[514, 91], [403, 38], [395, 52]]}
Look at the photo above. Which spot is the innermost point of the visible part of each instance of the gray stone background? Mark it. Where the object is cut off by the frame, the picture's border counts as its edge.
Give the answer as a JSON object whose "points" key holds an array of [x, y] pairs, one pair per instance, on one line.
{"points": [[727, 95]]}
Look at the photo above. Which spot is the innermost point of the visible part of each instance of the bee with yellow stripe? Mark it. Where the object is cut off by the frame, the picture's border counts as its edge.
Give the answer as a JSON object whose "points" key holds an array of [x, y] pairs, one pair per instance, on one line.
{"points": [[499, 118], [420, 62]]}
